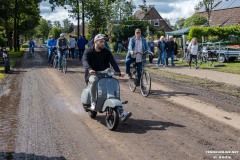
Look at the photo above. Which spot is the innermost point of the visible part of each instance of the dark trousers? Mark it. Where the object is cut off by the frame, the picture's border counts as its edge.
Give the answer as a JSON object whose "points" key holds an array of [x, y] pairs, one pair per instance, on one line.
{"points": [[190, 60], [151, 58], [130, 60], [71, 51], [80, 52]]}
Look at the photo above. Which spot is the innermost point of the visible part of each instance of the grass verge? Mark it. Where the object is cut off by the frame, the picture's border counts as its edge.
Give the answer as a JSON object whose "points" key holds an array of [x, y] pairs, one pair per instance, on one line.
{"points": [[216, 86], [230, 67], [12, 54]]}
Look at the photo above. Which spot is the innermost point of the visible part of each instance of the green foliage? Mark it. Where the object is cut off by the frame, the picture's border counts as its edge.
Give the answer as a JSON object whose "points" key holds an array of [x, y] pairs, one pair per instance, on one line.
{"points": [[195, 20], [127, 28], [214, 33], [2, 43], [43, 29], [55, 32], [25, 45], [68, 27], [180, 23]]}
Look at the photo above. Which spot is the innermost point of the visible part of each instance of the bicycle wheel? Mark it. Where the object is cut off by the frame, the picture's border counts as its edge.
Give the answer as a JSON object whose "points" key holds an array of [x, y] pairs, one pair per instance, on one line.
{"points": [[145, 83], [132, 80], [64, 65]]}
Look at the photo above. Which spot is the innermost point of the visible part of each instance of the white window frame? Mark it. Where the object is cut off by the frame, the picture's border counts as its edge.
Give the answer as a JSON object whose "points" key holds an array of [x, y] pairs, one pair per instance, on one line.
{"points": [[156, 24]]}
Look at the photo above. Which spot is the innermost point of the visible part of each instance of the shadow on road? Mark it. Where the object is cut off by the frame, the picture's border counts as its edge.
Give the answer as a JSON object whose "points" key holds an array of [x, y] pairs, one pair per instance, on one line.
{"points": [[25, 156], [140, 126]]}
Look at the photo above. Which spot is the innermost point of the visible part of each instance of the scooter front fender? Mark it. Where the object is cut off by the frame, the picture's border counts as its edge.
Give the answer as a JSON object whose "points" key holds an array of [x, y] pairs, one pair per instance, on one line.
{"points": [[112, 103]]}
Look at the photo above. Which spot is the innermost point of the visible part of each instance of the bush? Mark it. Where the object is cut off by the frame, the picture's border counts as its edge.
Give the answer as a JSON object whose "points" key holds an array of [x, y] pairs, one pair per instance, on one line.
{"points": [[24, 45], [2, 43], [213, 33]]}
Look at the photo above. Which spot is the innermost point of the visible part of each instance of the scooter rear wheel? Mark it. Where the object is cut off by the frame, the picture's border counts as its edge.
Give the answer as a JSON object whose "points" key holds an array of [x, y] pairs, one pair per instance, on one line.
{"points": [[112, 118]]}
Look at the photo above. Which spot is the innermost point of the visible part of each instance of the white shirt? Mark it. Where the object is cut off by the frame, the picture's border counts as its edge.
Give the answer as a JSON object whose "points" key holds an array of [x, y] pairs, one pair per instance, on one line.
{"points": [[193, 48], [138, 48]]}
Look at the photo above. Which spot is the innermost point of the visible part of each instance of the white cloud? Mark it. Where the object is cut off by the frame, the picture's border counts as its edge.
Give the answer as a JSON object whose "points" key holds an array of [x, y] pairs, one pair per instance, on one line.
{"points": [[59, 14], [170, 9]]}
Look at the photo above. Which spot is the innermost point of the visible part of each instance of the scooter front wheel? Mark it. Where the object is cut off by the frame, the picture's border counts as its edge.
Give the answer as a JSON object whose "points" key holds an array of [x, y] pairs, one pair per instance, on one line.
{"points": [[112, 118], [92, 114]]}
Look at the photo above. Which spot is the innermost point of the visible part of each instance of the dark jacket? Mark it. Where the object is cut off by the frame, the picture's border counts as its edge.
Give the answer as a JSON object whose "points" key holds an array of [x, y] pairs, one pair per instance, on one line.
{"points": [[170, 46], [93, 60], [160, 46]]}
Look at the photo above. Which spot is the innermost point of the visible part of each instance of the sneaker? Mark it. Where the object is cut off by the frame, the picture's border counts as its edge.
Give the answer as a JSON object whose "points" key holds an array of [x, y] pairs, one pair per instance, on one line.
{"points": [[59, 68], [157, 65], [197, 67], [129, 76], [190, 67], [125, 115], [93, 106]]}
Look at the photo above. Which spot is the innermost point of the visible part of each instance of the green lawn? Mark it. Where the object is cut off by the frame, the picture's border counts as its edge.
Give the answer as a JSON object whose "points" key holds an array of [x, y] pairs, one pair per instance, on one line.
{"points": [[230, 67], [12, 54]]}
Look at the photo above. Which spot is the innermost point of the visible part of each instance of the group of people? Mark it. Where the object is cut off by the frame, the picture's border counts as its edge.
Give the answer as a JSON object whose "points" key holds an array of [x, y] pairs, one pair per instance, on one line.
{"points": [[98, 57], [74, 45]]}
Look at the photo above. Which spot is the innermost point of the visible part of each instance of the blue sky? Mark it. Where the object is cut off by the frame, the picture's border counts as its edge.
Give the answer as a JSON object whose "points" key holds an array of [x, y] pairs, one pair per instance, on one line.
{"points": [[171, 9]]}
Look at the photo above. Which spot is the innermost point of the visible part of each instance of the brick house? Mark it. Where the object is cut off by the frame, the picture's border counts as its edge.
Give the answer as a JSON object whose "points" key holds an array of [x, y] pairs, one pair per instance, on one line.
{"points": [[224, 13], [153, 17]]}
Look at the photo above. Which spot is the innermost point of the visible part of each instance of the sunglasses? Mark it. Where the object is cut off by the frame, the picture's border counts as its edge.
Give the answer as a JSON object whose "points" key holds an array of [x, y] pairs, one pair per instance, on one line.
{"points": [[138, 32]]}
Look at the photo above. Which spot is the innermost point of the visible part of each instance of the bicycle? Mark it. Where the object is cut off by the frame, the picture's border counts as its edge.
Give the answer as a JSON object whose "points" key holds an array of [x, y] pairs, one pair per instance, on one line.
{"points": [[145, 80]]}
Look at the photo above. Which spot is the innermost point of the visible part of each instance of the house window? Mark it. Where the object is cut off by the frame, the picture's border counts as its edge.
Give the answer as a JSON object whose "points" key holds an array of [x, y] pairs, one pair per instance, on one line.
{"points": [[149, 21], [156, 22]]}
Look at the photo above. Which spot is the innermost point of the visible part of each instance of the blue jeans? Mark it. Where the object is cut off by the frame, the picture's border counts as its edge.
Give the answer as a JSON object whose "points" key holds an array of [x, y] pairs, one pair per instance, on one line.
{"points": [[60, 55], [159, 58], [130, 60], [164, 56], [119, 48], [170, 54]]}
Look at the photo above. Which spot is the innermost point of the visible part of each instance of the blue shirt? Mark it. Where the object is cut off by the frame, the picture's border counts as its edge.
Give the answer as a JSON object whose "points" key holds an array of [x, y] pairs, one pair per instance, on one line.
{"points": [[163, 46], [31, 44], [151, 45], [81, 43], [51, 43]]}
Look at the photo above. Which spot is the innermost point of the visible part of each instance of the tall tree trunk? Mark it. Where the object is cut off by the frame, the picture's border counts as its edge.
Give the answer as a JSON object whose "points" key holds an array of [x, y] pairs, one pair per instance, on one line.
{"points": [[78, 17], [15, 26], [83, 19], [18, 47]]}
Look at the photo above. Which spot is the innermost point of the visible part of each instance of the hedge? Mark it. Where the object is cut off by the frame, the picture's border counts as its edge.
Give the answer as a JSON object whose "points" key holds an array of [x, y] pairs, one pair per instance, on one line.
{"points": [[221, 32]]}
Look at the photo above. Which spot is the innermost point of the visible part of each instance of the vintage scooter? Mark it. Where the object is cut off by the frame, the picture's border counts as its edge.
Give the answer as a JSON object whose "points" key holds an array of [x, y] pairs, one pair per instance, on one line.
{"points": [[108, 99]]}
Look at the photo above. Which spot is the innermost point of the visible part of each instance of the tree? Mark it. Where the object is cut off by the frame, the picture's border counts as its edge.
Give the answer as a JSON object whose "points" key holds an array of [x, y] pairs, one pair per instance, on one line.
{"points": [[43, 29], [180, 23], [55, 32], [68, 27], [167, 21], [195, 20], [57, 24], [208, 4]]}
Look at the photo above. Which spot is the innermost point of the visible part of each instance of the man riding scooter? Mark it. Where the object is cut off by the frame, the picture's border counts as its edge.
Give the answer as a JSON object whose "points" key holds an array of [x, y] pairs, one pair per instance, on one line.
{"points": [[98, 58]]}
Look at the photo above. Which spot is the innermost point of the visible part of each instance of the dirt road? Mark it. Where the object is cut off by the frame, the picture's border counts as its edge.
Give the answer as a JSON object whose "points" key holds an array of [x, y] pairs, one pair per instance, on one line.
{"points": [[41, 117]]}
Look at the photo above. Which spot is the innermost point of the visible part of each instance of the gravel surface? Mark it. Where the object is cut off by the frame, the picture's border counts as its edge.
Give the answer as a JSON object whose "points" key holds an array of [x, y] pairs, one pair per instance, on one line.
{"points": [[42, 118]]}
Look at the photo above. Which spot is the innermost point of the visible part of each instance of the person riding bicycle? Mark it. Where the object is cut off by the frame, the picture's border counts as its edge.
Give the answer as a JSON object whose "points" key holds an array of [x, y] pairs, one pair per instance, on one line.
{"points": [[51, 43], [98, 58], [62, 44], [137, 44], [31, 46]]}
